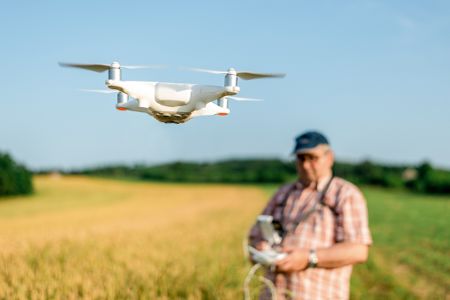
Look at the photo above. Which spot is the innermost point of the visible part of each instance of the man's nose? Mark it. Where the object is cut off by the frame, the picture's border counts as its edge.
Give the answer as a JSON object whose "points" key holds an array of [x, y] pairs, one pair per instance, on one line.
{"points": [[305, 164]]}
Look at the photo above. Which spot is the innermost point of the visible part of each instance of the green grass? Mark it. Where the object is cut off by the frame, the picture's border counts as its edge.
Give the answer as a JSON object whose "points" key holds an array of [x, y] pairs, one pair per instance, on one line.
{"points": [[411, 251]]}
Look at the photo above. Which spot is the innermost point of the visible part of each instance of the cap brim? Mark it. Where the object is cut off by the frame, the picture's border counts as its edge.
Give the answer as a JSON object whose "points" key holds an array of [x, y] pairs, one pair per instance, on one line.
{"points": [[307, 150], [303, 151]]}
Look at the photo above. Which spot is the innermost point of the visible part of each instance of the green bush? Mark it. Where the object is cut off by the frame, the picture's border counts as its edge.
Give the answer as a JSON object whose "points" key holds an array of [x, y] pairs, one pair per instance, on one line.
{"points": [[15, 179], [431, 181]]}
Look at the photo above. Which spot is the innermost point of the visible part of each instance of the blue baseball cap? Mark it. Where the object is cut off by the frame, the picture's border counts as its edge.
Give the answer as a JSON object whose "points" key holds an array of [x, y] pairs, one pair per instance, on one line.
{"points": [[308, 140]]}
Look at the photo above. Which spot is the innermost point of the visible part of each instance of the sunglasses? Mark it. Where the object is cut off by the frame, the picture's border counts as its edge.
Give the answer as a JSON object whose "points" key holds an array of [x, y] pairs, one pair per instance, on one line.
{"points": [[310, 157]]}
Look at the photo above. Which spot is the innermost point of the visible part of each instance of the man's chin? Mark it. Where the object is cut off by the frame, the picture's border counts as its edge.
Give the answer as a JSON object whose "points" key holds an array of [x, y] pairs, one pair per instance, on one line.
{"points": [[307, 180]]}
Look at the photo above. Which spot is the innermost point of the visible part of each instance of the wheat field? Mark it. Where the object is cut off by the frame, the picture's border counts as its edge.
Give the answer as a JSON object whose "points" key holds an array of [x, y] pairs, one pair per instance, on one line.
{"points": [[102, 239]]}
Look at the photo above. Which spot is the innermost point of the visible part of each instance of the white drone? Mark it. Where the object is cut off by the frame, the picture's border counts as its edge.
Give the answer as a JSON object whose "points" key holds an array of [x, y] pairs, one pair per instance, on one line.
{"points": [[172, 102]]}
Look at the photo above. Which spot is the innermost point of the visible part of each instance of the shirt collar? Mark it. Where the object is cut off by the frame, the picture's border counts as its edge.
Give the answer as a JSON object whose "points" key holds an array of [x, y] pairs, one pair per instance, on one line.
{"points": [[319, 186], [323, 182]]}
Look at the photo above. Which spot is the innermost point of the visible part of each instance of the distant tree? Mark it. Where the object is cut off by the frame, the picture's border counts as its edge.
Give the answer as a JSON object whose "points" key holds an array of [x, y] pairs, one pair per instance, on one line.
{"points": [[430, 180], [15, 179], [424, 170], [425, 179]]}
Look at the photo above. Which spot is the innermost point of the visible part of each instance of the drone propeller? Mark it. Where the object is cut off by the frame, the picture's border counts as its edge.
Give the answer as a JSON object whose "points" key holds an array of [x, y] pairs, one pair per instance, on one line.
{"points": [[254, 75], [205, 71], [99, 91], [91, 67], [134, 67], [243, 98], [104, 67], [246, 75]]}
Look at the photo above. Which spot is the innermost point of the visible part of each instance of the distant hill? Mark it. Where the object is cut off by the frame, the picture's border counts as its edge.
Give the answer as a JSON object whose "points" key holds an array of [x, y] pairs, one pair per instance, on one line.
{"points": [[422, 178], [15, 179]]}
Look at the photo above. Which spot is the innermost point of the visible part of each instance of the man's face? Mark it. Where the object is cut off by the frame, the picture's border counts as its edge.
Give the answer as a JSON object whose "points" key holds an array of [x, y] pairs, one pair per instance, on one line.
{"points": [[315, 163]]}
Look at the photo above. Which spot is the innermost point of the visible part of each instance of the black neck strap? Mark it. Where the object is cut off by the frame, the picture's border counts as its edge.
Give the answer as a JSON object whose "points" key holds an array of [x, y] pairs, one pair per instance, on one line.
{"points": [[304, 216], [325, 190]]}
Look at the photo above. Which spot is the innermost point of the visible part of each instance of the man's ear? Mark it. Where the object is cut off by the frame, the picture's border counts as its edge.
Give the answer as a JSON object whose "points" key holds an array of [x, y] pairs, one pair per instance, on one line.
{"points": [[330, 155]]}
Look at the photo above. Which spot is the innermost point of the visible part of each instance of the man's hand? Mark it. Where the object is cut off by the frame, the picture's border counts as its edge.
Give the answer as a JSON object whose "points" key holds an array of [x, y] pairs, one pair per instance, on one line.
{"points": [[296, 260], [263, 245], [260, 246]]}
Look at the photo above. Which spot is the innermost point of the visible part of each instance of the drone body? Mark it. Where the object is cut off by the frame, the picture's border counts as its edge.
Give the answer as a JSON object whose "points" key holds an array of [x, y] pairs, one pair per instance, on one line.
{"points": [[172, 102]]}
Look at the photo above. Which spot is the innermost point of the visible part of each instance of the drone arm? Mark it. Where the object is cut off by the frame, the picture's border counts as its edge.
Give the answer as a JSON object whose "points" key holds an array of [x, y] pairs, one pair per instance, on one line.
{"points": [[210, 109]]}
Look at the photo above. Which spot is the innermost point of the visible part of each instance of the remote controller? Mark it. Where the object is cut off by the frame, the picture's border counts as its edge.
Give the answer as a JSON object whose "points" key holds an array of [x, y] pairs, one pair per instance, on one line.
{"points": [[266, 257]]}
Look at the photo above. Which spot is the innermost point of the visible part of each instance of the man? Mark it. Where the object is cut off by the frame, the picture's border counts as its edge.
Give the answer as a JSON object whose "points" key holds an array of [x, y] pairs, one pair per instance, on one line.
{"points": [[324, 224]]}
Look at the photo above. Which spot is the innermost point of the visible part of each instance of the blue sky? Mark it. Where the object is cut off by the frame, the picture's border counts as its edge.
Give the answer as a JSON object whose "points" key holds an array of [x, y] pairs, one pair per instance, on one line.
{"points": [[374, 76]]}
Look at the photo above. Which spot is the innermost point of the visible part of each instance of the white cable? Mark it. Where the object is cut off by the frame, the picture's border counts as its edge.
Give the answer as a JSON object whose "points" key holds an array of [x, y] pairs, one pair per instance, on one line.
{"points": [[271, 286], [245, 248], [248, 278], [251, 273]]}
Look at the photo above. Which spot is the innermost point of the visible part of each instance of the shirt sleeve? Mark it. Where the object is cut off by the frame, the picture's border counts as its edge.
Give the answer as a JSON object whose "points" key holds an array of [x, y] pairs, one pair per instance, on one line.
{"points": [[353, 221]]}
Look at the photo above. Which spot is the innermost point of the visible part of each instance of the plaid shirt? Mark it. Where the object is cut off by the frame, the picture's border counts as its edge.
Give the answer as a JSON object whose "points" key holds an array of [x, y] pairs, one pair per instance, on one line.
{"points": [[342, 219]]}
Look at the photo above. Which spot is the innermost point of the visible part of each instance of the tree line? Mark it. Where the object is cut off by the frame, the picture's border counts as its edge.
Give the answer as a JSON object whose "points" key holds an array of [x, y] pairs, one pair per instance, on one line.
{"points": [[421, 178], [15, 179]]}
